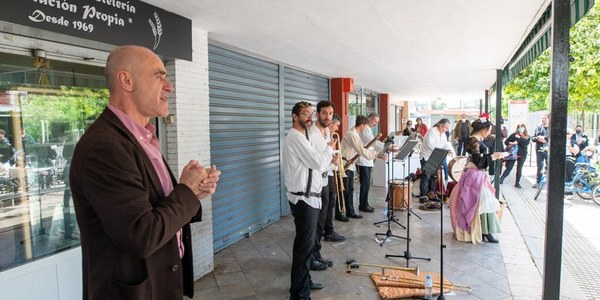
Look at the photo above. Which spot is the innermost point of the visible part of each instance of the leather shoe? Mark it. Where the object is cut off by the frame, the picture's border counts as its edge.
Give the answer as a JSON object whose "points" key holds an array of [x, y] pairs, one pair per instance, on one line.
{"points": [[355, 215], [326, 262], [501, 180], [316, 265], [517, 185], [342, 218], [535, 186], [335, 237], [316, 285], [366, 209]]}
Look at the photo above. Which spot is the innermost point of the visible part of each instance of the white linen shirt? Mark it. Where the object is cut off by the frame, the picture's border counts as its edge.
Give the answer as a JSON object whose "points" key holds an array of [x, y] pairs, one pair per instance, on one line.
{"points": [[433, 139], [297, 157], [366, 136], [352, 145], [319, 142]]}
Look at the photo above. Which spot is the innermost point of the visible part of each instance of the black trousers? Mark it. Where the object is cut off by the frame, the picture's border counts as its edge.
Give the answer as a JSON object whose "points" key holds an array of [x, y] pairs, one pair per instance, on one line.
{"points": [[541, 157], [305, 219], [520, 161], [364, 174], [427, 180], [330, 207], [321, 222], [349, 192]]}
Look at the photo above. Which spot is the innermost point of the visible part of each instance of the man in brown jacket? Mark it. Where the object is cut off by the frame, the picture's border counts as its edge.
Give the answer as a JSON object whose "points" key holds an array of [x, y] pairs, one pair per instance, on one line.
{"points": [[132, 214]]}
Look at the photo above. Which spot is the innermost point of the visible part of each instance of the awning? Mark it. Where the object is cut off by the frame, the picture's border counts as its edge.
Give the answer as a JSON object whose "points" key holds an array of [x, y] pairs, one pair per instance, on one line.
{"points": [[539, 39]]}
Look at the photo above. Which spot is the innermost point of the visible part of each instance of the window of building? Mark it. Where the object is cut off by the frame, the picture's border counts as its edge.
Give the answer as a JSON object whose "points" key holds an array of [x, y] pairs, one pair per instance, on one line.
{"points": [[45, 106]]}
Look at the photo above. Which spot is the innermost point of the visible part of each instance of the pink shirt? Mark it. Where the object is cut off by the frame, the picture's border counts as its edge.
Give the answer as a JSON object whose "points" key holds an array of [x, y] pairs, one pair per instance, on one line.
{"points": [[145, 136]]}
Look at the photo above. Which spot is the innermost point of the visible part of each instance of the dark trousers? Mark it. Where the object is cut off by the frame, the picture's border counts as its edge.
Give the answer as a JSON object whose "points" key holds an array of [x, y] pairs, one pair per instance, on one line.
{"points": [[541, 157], [427, 180], [364, 173], [330, 207], [305, 219], [510, 164], [462, 149], [349, 192], [321, 222]]}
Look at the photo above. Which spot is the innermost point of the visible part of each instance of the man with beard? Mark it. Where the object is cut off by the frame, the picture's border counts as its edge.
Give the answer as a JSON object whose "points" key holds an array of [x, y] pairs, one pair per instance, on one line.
{"points": [[302, 168], [319, 137]]}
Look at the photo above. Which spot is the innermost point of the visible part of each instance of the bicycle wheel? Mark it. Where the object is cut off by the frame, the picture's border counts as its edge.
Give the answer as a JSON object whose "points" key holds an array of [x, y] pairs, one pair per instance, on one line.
{"points": [[584, 192], [541, 186], [596, 193]]}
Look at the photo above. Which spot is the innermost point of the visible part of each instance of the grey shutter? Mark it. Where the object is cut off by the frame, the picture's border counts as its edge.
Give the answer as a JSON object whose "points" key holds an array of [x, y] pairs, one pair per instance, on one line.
{"points": [[244, 135]]}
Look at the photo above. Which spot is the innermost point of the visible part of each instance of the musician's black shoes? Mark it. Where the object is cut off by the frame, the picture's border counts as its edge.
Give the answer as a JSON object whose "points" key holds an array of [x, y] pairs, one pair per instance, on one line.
{"points": [[342, 218], [325, 262], [316, 285], [366, 208], [355, 215], [335, 237], [316, 265], [518, 185], [490, 238]]}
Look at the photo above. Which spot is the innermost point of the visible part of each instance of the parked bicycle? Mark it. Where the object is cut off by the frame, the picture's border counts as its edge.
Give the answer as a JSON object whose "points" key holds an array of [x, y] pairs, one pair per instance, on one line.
{"points": [[585, 183]]}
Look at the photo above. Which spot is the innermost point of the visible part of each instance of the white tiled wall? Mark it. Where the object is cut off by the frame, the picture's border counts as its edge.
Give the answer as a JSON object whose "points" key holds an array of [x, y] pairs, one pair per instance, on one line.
{"points": [[188, 138]]}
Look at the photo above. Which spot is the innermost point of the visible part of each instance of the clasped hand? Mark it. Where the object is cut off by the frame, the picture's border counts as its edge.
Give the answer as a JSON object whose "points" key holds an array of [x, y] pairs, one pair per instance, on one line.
{"points": [[202, 181]]}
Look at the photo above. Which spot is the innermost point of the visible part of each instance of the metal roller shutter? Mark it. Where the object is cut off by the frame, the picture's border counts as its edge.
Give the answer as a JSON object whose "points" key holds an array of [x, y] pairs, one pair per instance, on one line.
{"points": [[244, 135]]}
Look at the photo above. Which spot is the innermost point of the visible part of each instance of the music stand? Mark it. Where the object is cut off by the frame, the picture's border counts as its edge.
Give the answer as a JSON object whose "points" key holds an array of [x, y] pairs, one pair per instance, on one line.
{"points": [[433, 164], [404, 153], [390, 216]]}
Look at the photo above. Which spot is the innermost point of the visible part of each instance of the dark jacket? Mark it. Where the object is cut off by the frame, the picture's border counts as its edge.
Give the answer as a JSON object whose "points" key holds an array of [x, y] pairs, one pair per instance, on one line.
{"points": [[540, 131], [458, 130], [523, 143], [128, 226]]}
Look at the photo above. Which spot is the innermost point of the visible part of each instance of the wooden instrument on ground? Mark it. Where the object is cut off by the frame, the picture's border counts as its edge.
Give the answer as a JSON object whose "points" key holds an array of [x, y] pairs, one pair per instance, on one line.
{"points": [[457, 166], [353, 160], [398, 193], [339, 176]]}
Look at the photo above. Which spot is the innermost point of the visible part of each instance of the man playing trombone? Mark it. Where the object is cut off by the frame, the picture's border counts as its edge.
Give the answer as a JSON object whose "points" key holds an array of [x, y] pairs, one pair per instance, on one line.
{"points": [[302, 167], [334, 197]]}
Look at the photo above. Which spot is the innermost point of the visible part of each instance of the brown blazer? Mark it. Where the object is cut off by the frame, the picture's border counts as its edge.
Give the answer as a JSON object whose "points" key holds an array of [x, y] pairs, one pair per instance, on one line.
{"points": [[128, 226]]}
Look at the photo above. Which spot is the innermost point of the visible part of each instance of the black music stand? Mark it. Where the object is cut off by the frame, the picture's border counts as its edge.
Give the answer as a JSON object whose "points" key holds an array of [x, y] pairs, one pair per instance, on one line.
{"points": [[404, 153], [390, 216], [431, 167]]}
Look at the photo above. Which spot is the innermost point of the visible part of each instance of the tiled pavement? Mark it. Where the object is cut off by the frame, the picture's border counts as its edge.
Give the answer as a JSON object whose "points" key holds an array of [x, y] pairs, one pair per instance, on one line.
{"points": [[258, 267]]}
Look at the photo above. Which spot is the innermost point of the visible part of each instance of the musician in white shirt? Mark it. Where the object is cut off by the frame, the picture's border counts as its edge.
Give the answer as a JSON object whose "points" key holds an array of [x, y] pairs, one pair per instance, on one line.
{"points": [[352, 145], [319, 137], [434, 138], [364, 166], [301, 168]]}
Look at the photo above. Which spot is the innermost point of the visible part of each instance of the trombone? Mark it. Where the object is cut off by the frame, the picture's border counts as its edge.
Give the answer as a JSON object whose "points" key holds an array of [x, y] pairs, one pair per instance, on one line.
{"points": [[339, 178]]}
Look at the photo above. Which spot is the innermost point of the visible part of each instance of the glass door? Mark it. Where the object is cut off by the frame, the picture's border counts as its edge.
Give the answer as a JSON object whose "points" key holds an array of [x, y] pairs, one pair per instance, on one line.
{"points": [[45, 106]]}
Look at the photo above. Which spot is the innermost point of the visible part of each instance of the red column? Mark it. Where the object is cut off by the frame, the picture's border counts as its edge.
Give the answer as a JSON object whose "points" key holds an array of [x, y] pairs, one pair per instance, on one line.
{"points": [[339, 98], [383, 114]]}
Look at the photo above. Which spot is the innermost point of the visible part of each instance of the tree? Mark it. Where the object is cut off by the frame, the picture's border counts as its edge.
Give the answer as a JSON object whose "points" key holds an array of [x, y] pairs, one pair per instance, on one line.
{"points": [[533, 83]]}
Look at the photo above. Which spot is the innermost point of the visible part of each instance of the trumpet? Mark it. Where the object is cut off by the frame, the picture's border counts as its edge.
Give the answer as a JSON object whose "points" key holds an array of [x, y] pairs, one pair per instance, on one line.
{"points": [[339, 178]]}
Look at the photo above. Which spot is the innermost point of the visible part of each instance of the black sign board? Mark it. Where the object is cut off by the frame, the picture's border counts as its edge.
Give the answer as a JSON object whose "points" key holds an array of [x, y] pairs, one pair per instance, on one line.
{"points": [[117, 22]]}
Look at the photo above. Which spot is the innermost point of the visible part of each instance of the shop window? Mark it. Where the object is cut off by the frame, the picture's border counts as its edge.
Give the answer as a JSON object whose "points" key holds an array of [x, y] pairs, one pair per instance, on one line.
{"points": [[43, 113]]}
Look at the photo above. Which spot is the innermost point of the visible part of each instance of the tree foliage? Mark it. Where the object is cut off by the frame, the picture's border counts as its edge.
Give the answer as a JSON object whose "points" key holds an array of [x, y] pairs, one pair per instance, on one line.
{"points": [[533, 83], [62, 113]]}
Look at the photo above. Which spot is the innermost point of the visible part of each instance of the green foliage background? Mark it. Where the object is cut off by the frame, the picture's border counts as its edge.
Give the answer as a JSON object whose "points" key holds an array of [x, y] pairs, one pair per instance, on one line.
{"points": [[533, 83], [65, 112]]}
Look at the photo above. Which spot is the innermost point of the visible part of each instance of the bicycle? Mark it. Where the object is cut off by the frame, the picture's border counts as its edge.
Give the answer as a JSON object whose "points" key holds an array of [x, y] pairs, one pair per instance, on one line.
{"points": [[585, 182]]}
